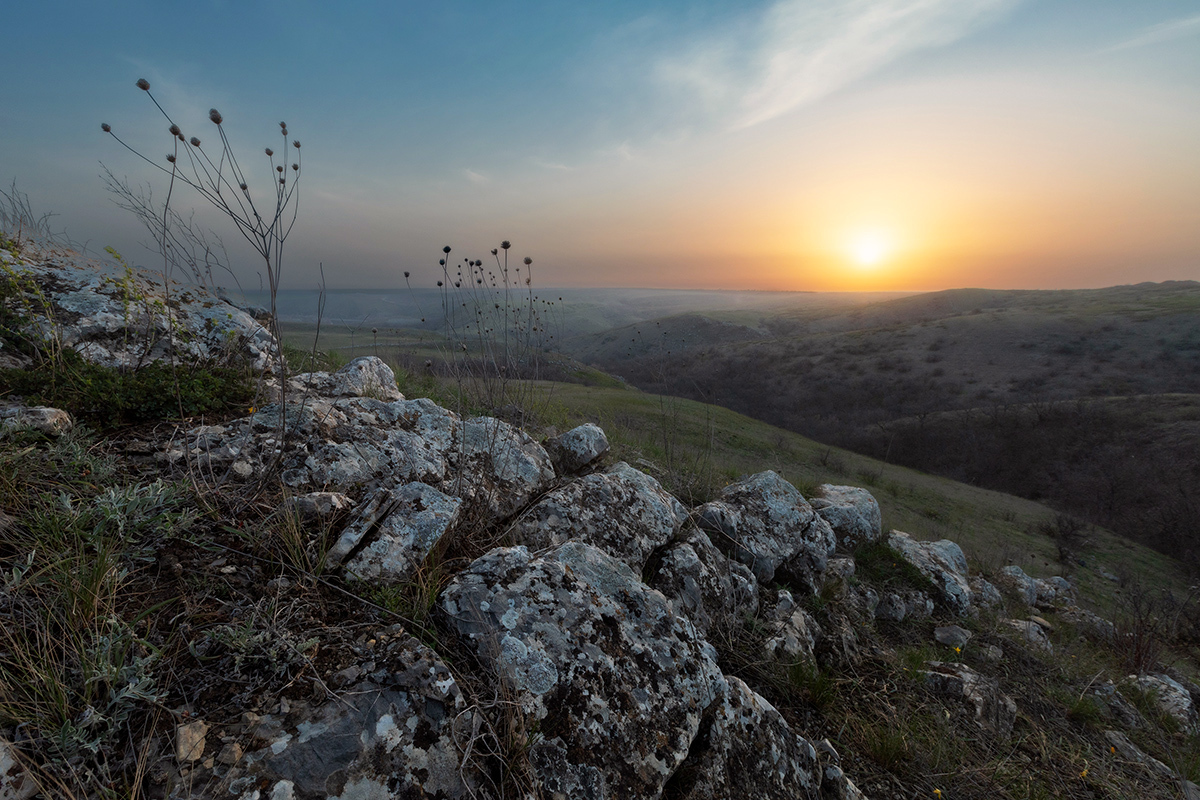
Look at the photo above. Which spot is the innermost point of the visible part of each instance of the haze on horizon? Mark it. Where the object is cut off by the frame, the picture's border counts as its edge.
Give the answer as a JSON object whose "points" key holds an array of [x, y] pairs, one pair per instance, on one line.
{"points": [[786, 145]]}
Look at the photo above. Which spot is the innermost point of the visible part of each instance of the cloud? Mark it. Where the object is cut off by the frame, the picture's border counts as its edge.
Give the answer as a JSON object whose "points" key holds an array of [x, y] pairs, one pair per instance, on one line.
{"points": [[474, 176], [803, 50], [1162, 32]]}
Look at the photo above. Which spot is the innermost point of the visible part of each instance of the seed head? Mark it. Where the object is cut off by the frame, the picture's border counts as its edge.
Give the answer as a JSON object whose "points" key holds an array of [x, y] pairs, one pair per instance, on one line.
{"points": [[439, 284], [295, 167], [446, 249], [104, 126], [269, 151], [243, 187], [405, 274], [279, 168], [505, 245], [195, 142], [215, 116], [494, 251], [283, 125], [528, 261], [282, 181], [296, 143], [174, 129], [143, 84], [170, 158], [442, 262]]}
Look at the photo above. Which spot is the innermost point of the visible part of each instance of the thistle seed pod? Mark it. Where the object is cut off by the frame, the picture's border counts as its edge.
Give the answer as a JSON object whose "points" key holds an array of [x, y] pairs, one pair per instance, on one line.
{"points": [[439, 284], [446, 249], [296, 143], [279, 168], [269, 151], [495, 251], [295, 167], [505, 245], [174, 129], [215, 116], [143, 84], [282, 181], [283, 125], [170, 158], [528, 261], [405, 274], [243, 187], [195, 142], [104, 126]]}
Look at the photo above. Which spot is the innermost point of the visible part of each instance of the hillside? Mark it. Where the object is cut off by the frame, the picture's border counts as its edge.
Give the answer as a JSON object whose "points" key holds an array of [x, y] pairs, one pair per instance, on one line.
{"points": [[351, 582], [1037, 371]]}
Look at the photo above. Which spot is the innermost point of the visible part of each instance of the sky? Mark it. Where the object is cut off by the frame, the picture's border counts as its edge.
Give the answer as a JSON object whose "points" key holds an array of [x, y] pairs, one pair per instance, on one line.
{"points": [[787, 145]]}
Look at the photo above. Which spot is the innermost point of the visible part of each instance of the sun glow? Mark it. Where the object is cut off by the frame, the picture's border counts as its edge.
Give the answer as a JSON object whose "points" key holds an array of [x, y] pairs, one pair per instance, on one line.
{"points": [[870, 248]]}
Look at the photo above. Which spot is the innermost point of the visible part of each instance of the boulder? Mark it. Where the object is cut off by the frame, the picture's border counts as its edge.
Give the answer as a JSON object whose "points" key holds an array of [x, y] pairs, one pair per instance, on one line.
{"points": [[396, 734], [703, 585], [623, 511], [127, 319], [1024, 586], [50, 421], [1172, 698], [765, 523], [993, 710], [984, 594], [791, 633], [615, 682], [1033, 634], [943, 563], [748, 751], [577, 448], [417, 517], [952, 636], [366, 376], [852, 513], [501, 465]]}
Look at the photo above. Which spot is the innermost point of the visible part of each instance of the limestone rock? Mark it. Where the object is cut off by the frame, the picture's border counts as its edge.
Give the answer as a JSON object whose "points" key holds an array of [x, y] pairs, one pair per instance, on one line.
{"points": [[766, 524], [1033, 634], [417, 517], [50, 421], [15, 782], [577, 448], [122, 320], [503, 467], [852, 512], [320, 504], [984, 593], [994, 710], [703, 585], [189, 741], [943, 563], [1131, 752], [952, 636], [623, 511], [1172, 698], [791, 633], [395, 734], [748, 751], [366, 376], [1025, 587], [615, 682]]}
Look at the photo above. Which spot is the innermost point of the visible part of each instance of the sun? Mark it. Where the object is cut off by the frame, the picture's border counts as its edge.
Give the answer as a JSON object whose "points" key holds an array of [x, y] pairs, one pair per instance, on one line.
{"points": [[870, 248]]}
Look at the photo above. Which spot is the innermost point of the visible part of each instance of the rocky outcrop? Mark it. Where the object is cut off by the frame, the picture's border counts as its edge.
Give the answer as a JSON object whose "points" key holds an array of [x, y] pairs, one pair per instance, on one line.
{"points": [[765, 523], [123, 318], [50, 421], [616, 683], [943, 563], [577, 448], [852, 512], [992, 709], [703, 585], [623, 511]]}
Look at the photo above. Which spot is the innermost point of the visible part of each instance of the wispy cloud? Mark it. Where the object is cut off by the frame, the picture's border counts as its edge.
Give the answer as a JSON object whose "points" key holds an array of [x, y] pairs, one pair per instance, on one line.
{"points": [[475, 177], [804, 50], [1162, 32]]}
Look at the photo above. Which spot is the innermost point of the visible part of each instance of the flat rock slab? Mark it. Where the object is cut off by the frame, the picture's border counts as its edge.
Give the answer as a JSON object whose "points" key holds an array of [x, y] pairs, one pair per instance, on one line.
{"points": [[615, 682], [622, 511]]}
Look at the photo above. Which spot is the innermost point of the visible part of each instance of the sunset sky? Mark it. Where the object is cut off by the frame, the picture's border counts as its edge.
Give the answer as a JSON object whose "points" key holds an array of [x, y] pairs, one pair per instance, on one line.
{"points": [[799, 144]]}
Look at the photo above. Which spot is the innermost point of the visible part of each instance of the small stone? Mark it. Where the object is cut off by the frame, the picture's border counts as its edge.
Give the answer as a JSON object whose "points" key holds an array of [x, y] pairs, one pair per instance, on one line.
{"points": [[189, 741], [990, 652], [230, 754], [346, 676], [952, 636], [242, 469]]}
